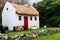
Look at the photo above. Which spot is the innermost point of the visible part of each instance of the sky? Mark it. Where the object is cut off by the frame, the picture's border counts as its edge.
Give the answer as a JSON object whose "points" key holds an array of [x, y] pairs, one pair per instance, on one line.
{"points": [[33, 1]]}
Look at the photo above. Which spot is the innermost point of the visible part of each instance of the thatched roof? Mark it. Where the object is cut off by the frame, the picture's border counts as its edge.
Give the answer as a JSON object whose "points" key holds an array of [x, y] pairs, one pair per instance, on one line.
{"points": [[25, 10]]}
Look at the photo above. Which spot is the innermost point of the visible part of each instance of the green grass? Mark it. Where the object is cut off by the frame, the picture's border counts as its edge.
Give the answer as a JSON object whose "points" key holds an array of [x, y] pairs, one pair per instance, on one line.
{"points": [[48, 28], [55, 36], [20, 32], [26, 31]]}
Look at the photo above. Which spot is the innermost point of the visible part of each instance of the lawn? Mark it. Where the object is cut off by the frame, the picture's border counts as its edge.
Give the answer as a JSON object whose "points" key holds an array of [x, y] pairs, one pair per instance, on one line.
{"points": [[20, 32], [25, 31], [55, 36]]}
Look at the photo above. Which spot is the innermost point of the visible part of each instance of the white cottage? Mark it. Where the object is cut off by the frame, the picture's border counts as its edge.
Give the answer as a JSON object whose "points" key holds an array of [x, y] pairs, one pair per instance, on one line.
{"points": [[24, 15]]}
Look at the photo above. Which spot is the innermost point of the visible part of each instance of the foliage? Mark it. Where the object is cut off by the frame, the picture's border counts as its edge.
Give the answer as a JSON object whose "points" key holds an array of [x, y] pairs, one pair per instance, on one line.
{"points": [[1, 15], [49, 12]]}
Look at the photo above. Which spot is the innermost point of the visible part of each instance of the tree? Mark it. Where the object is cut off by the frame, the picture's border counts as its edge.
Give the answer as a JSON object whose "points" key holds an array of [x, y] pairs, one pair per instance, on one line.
{"points": [[49, 12]]}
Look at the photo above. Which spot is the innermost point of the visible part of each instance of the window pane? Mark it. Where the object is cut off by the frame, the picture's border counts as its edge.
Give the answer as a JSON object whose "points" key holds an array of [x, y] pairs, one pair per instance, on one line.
{"points": [[30, 18], [35, 18], [19, 17], [7, 8]]}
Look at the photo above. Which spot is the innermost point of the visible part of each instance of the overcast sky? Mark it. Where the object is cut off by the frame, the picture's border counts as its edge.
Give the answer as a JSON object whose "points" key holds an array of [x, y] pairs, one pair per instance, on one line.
{"points": [[34, 1]]}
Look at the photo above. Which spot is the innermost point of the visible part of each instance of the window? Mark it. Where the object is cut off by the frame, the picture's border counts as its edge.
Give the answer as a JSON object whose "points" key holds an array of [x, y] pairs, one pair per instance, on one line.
{"points": [[35, 18], [30, 18], [7, 8], [19, 17]]}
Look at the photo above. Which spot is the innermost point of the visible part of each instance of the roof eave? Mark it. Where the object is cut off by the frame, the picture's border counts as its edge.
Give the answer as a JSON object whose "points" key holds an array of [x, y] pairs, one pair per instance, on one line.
{"points": [[27, 14]]}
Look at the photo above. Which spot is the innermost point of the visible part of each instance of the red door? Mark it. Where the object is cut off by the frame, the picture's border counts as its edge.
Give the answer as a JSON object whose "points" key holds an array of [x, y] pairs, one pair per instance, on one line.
{"points": [[26, 22]]}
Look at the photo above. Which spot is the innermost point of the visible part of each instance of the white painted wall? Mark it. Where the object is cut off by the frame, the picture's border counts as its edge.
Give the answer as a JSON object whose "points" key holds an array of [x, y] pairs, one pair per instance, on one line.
{"points": [[30, 23], [33, 22], [9, 16], [21, 22]]}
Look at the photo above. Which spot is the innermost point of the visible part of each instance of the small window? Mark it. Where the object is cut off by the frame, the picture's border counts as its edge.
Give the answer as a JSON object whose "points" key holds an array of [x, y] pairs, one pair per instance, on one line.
{"points": [[35, 18], [7, 8], [30, 18], [19, 17]]}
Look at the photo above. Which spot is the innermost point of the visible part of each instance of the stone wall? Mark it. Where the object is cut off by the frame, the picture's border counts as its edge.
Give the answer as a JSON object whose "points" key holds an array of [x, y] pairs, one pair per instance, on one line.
{"points": [[29, 36]]}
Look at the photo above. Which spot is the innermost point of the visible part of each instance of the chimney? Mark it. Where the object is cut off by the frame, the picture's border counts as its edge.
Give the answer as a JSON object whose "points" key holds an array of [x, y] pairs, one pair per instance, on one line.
{"points": [[25, 2]]}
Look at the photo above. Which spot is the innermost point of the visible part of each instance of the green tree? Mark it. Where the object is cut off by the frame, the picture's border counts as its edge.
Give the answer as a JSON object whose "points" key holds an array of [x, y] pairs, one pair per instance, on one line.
{"points": [[49, 12]]}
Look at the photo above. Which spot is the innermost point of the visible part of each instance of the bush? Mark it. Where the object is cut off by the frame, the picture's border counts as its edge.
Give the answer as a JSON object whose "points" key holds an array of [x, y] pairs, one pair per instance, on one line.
{"points": [[2, 29], [6, 28]]}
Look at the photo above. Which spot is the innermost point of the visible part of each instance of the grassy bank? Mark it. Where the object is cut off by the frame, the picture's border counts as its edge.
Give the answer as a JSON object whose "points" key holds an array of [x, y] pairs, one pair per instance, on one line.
{"points": [[55, 36]]}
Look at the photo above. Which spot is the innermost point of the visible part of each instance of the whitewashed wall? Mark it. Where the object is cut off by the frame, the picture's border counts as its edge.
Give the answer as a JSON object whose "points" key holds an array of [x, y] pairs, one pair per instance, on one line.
{"points": [[21, 22], [9, 16], [33, 22]]}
